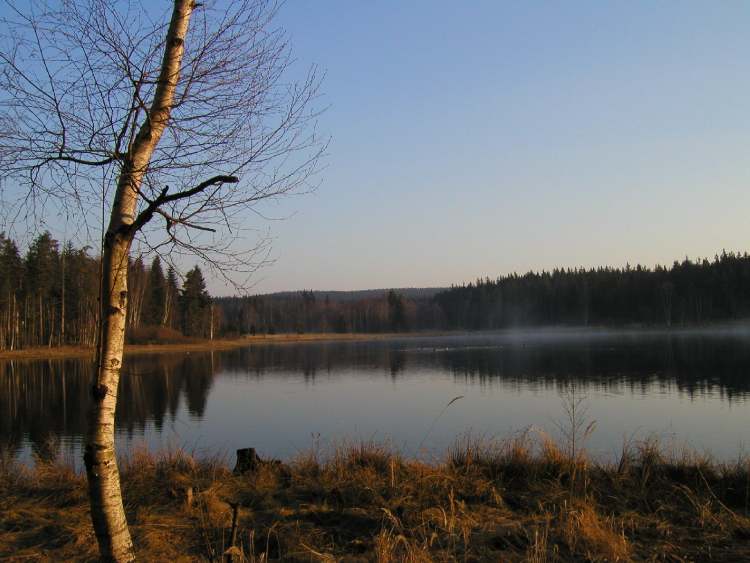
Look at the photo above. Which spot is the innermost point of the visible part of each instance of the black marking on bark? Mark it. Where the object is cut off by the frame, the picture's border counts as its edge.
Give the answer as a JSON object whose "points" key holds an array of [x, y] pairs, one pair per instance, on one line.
{"points": [[90, 458], [123, 298], [108, 238], [99, 392]]}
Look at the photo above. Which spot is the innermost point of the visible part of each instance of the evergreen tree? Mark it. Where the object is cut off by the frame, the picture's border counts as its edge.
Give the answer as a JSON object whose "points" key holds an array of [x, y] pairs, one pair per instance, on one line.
{"points": [[42, 288], [396, 312], [81, 279], [11, 276], [136, 291], [155, 296], [195, 305], [171, 311]]}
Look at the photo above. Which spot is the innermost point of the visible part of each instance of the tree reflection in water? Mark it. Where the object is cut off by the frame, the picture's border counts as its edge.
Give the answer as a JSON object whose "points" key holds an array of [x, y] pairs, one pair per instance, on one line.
{"points": [[44, 402]]}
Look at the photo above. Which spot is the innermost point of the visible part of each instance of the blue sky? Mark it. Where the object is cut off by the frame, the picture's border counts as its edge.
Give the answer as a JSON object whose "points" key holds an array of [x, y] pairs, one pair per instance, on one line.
{"points": [[479, 138]]}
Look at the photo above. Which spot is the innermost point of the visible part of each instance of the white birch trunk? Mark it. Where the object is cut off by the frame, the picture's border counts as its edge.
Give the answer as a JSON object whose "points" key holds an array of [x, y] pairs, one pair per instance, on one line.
{"points": [[107, 511]]}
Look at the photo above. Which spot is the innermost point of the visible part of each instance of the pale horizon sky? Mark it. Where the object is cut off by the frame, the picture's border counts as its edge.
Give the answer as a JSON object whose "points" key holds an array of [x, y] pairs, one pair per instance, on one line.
{"points": [[490, 137], [481, 138]]}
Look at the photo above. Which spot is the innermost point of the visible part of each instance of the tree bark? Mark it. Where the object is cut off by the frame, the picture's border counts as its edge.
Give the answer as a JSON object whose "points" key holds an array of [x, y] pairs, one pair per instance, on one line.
{"points": [[107, 510]]}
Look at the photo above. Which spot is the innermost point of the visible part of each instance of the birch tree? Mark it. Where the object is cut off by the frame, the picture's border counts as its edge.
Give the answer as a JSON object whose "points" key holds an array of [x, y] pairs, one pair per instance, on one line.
{"points": [[186, 116]]}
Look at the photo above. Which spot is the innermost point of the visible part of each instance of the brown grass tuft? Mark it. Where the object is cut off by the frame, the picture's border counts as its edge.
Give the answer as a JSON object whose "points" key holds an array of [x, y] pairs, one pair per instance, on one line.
{"points": [[515, 500]]}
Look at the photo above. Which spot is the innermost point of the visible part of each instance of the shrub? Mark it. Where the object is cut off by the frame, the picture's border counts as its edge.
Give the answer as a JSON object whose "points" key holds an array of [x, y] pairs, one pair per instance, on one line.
{"points": [[156, 335]]}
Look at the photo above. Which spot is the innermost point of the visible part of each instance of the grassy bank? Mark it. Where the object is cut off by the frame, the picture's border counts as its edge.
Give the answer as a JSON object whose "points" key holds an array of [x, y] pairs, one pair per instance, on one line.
{"points": [[194, 345], [514, 501]]}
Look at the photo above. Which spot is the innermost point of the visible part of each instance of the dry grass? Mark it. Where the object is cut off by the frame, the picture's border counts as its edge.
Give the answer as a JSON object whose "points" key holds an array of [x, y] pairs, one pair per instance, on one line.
{"points": [[519, 500], [60, 352], [201, 345]]}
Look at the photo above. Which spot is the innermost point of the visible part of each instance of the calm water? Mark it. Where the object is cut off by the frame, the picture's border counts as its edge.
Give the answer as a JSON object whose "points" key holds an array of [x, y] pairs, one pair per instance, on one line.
{"points": [[685, 388]]}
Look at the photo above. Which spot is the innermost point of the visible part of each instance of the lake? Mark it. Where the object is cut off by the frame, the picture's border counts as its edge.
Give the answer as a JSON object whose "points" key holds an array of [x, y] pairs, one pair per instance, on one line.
{"points": [[686, 388]]}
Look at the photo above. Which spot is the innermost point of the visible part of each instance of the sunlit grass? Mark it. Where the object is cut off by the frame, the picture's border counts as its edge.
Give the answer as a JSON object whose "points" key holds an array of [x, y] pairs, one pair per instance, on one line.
{"points": [[521, 499]]}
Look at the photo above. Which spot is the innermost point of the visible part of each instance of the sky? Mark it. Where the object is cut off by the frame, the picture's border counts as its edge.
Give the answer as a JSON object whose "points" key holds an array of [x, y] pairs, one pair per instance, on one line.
{"points": [[480, 138]]}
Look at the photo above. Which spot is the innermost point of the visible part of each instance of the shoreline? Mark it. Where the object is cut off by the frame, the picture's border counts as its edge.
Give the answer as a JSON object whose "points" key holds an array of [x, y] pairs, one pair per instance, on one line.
{"points": [[65, 352], [738, 328]]}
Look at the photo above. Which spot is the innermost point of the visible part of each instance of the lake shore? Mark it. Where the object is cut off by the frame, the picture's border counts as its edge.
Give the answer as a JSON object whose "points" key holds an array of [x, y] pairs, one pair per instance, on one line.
{"points": [[62, 352], [737, 328], [363, 502]]}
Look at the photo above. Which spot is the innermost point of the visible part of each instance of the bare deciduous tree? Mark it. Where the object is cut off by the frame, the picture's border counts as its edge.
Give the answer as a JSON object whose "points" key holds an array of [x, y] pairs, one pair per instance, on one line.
{"points": [[184, 116]]}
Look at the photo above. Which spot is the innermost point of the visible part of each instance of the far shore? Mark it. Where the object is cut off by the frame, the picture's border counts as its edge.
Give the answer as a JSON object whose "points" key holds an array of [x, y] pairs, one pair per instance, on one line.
{"points": [[730, 328], [62, 352]]}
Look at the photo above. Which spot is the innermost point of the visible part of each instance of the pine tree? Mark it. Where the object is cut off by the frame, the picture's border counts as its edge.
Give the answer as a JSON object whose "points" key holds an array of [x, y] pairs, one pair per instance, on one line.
{"points": [[42, 288], [195, 304], [156, 291], [171, 310], [396, 314], [11, 276], [136, 291]]}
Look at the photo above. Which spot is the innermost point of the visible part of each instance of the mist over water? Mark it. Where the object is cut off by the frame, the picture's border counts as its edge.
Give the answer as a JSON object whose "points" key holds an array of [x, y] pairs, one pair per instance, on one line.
{"points": [[687, 388]]}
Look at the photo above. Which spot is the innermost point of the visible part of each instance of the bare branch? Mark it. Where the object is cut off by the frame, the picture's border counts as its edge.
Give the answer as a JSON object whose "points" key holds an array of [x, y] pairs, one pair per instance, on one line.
{"points": [[79, 85], [154, 206]]}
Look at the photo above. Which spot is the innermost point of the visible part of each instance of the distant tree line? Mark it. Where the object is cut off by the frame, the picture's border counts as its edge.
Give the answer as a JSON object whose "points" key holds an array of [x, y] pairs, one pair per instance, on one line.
{"points": [[50, 295], [305, 311], [687, 293]]}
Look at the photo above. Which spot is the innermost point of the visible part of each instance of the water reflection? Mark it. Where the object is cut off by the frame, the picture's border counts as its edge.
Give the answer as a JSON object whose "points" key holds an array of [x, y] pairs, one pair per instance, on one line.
{"points": [[42, 401], [46, 401]]}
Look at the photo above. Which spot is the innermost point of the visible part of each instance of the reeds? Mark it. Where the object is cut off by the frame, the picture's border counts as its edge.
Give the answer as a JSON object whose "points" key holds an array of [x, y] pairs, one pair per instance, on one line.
{"points": [[521, 499]]}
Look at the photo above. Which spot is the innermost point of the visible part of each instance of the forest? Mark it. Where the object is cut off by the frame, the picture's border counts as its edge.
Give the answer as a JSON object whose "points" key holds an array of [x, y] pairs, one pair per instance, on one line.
{"points": [[49, 297], [687, 293]]}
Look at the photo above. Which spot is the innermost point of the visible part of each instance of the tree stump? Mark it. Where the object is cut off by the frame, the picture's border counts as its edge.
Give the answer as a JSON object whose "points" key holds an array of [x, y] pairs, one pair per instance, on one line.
{"points": [[247, 460]]}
